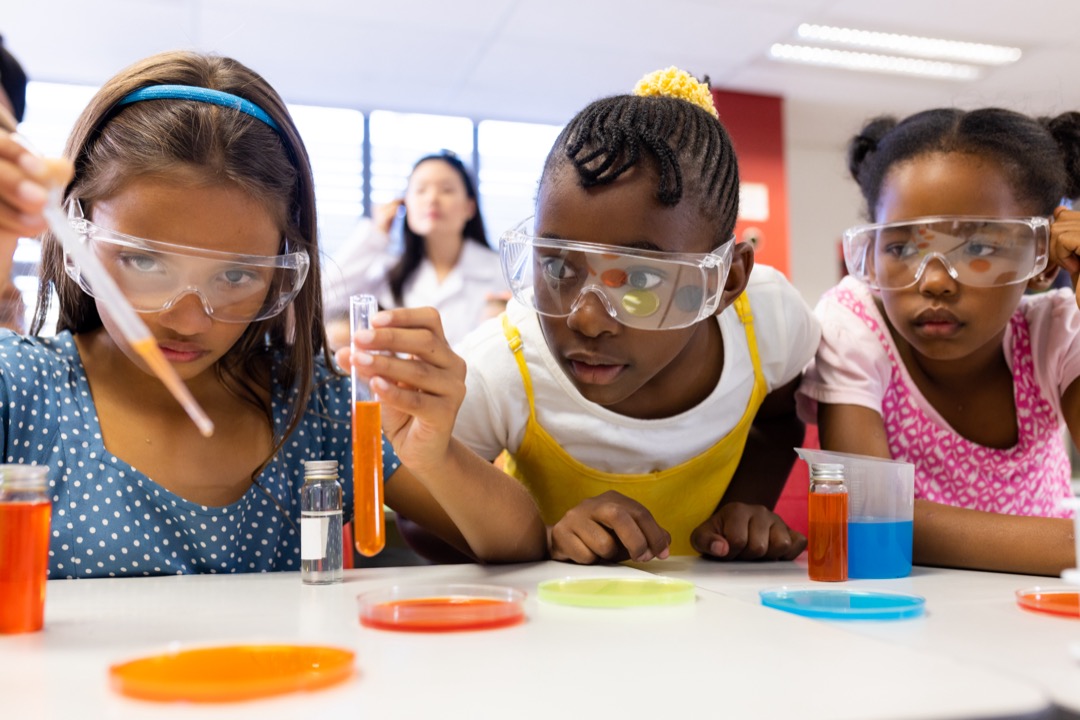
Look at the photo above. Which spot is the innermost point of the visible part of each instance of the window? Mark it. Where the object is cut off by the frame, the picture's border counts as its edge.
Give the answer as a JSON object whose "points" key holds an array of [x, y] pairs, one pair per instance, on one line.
{"points": [[512, 155], [334, 139], [398, 140]]}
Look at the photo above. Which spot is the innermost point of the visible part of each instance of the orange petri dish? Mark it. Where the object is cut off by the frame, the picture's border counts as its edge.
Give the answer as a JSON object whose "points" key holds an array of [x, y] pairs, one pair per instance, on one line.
{"points": [[442, 608], [1052, 601], [231, 673]]}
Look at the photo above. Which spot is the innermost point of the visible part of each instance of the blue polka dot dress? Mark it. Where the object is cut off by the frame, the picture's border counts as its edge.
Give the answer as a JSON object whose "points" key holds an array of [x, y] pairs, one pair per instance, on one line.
{"points": [[110, 520]]}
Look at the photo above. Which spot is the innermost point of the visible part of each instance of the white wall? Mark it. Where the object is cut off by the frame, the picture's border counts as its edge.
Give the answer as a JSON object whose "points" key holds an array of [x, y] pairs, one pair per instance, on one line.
{"points": [[823, 201]]}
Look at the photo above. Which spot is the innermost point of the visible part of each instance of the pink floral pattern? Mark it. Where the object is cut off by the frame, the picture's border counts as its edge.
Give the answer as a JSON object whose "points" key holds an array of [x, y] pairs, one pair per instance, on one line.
{"points": [[1029, 478]]}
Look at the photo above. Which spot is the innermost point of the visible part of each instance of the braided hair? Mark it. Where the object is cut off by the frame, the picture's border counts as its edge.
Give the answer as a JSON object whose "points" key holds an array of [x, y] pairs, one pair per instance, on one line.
{"points": [[688, 148], [1040, 157]]}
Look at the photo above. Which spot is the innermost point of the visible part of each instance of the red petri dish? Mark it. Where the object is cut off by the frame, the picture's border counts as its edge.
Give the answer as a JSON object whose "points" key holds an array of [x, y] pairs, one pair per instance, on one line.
{"points": [[231, 673], [442, 608], [1052, 601]]}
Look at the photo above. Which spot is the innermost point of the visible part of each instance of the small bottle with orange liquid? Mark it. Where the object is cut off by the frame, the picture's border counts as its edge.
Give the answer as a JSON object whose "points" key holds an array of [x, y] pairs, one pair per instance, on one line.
{"points": [[25, 511], [369, 521], [828, 522]]}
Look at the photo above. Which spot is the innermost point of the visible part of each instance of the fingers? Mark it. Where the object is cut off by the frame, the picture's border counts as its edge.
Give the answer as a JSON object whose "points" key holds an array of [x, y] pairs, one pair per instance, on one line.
{"points": [[418, 379], [24, 182], [738, 531], [385, 214], [1065, 239], [609, 527], [407, 347], [408, 331]]}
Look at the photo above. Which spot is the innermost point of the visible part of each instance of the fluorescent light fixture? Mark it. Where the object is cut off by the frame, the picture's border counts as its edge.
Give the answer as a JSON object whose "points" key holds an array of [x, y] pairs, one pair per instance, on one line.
{"points": [[912, 45], [871, 62]]}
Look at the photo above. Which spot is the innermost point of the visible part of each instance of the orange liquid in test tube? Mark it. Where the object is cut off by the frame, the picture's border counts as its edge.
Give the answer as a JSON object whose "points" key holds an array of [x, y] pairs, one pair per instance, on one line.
{"points": [[24, 565], [369, 521]]}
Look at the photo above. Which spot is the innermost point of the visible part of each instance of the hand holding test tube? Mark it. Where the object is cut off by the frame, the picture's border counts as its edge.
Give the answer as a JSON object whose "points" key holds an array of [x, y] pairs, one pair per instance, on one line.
{"points": [[369, 520]]}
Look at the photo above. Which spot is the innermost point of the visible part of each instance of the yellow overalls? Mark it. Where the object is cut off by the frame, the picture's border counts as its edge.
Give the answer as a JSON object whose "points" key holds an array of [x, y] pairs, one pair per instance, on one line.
{"points": [[680, 497]]}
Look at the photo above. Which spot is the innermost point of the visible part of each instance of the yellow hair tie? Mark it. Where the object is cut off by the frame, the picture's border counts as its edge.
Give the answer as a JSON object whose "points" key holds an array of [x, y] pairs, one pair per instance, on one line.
{"points": [[677, 83]]}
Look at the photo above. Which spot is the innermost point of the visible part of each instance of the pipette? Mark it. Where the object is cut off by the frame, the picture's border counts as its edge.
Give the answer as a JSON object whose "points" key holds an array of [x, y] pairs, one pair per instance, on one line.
{"points": [[127, 320]]}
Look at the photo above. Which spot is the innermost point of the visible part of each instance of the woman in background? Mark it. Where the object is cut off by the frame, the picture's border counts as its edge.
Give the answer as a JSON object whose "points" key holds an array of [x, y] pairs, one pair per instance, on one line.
{"points": [[446, 262]]}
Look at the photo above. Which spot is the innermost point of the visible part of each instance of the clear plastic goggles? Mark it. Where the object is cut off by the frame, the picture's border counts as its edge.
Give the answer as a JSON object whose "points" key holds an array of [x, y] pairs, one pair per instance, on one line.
{"points": [[642, 289], [154, 276], [976, 251]]}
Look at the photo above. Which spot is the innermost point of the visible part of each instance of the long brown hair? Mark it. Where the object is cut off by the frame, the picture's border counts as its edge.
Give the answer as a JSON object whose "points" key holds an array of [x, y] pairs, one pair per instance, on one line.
{"points": [[413, 254], [110, 145]]}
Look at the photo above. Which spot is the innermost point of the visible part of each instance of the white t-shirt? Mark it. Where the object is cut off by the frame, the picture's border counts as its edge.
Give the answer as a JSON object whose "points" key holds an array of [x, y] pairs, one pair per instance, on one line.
{"points": [[461, 297], [495, 410], [852, 367]]}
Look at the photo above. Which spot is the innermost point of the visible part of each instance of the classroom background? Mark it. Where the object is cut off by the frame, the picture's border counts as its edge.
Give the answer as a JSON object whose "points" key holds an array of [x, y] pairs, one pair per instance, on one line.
{"points": [[375, 85]]}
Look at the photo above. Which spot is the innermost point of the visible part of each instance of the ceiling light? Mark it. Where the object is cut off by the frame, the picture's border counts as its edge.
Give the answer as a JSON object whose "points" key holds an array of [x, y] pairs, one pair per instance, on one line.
{"points": [[912, 45], [872, 62]]}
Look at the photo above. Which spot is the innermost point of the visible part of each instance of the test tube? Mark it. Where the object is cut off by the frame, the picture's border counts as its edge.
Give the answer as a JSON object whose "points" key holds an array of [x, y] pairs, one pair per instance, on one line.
{"points": [[369, 520]]}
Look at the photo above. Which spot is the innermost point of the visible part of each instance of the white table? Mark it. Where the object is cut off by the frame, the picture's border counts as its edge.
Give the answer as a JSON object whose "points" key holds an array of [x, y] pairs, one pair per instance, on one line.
{"points": [[717, 657], [971, 617]]}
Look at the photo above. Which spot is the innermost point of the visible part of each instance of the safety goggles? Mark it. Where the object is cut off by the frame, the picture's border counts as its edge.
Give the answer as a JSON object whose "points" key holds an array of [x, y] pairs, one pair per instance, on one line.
{"points": [[642, 289], [975, 251], [154, 276]]}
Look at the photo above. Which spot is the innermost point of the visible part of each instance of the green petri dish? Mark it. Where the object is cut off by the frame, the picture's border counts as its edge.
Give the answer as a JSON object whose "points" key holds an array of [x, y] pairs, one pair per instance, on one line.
{"points": [[612, 592]]}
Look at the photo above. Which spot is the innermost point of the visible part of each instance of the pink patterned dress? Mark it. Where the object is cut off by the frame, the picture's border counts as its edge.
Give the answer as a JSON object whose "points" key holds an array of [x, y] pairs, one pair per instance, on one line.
{"points": [[1029, 478]]}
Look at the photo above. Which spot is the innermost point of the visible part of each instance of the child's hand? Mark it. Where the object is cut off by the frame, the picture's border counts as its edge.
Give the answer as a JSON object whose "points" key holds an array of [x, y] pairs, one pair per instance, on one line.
{"points": [[420, 382], [1065, 243], [24, 187], [738, 531], [609, 527]]}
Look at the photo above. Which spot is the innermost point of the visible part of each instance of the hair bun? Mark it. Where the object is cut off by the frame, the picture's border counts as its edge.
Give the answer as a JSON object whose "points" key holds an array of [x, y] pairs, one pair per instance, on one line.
{"points": [[677, 83]]}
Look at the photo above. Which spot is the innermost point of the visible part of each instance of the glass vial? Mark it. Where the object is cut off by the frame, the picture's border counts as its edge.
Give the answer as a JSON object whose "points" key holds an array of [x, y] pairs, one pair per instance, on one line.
{"points": [[25, 512], [321, 558], [369, 519], [828, 541]]}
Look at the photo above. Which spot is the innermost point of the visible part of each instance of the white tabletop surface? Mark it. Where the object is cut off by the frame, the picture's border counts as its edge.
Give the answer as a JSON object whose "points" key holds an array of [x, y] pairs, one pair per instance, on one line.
{"points": [[716, 657], [970, 616]]}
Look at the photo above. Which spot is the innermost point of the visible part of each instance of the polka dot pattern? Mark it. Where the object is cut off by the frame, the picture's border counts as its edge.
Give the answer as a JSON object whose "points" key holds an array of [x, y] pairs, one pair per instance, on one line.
{"points": [[110, 520]]}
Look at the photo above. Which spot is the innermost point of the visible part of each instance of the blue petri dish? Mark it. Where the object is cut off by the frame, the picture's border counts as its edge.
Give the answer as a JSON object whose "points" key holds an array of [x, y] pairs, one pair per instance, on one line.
{"points": [[844, 603]]}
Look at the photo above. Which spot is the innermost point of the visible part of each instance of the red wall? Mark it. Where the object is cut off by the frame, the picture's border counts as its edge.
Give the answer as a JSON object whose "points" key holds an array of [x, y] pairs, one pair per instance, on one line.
{"points": [[755, 123]]}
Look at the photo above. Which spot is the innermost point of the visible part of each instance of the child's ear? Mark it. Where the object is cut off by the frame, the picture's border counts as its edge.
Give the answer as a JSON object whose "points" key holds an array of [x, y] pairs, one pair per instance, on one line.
{"points": [[742, 262], [1044, 280]]}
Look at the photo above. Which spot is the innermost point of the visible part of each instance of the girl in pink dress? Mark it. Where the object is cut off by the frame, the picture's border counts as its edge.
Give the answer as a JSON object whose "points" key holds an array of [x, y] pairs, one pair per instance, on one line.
{"points": [[934, 349]]}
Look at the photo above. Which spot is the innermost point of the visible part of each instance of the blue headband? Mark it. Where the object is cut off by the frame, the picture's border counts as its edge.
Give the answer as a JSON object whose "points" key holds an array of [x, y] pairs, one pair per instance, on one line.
{"points": [[199, 94]]}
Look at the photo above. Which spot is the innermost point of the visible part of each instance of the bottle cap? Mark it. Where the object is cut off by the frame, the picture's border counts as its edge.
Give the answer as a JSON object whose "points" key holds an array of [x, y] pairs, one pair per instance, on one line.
{"points": [[320, 469], [16, 476], [827, 471]]}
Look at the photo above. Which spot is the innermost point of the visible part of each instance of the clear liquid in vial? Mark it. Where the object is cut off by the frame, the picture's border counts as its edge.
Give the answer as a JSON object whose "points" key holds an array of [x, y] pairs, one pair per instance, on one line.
{"points": [[322, 527]]}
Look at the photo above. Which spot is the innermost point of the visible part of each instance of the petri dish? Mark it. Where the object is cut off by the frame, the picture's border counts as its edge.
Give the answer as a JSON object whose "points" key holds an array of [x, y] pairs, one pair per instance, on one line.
{"points": [[1064, 602], [231, 673], [609, 592], [844, 603], [441, 607]]}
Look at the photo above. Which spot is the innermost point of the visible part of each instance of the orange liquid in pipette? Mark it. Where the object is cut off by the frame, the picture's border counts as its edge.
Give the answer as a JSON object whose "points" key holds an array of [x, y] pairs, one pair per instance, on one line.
{"points": [[442, 614], [24, 565], [151, 354], [828, 536], [369, 520]]}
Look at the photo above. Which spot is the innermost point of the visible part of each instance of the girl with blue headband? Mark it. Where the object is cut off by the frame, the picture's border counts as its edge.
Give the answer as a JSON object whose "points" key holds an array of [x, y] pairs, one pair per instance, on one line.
{"points": [[191, 183]]}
